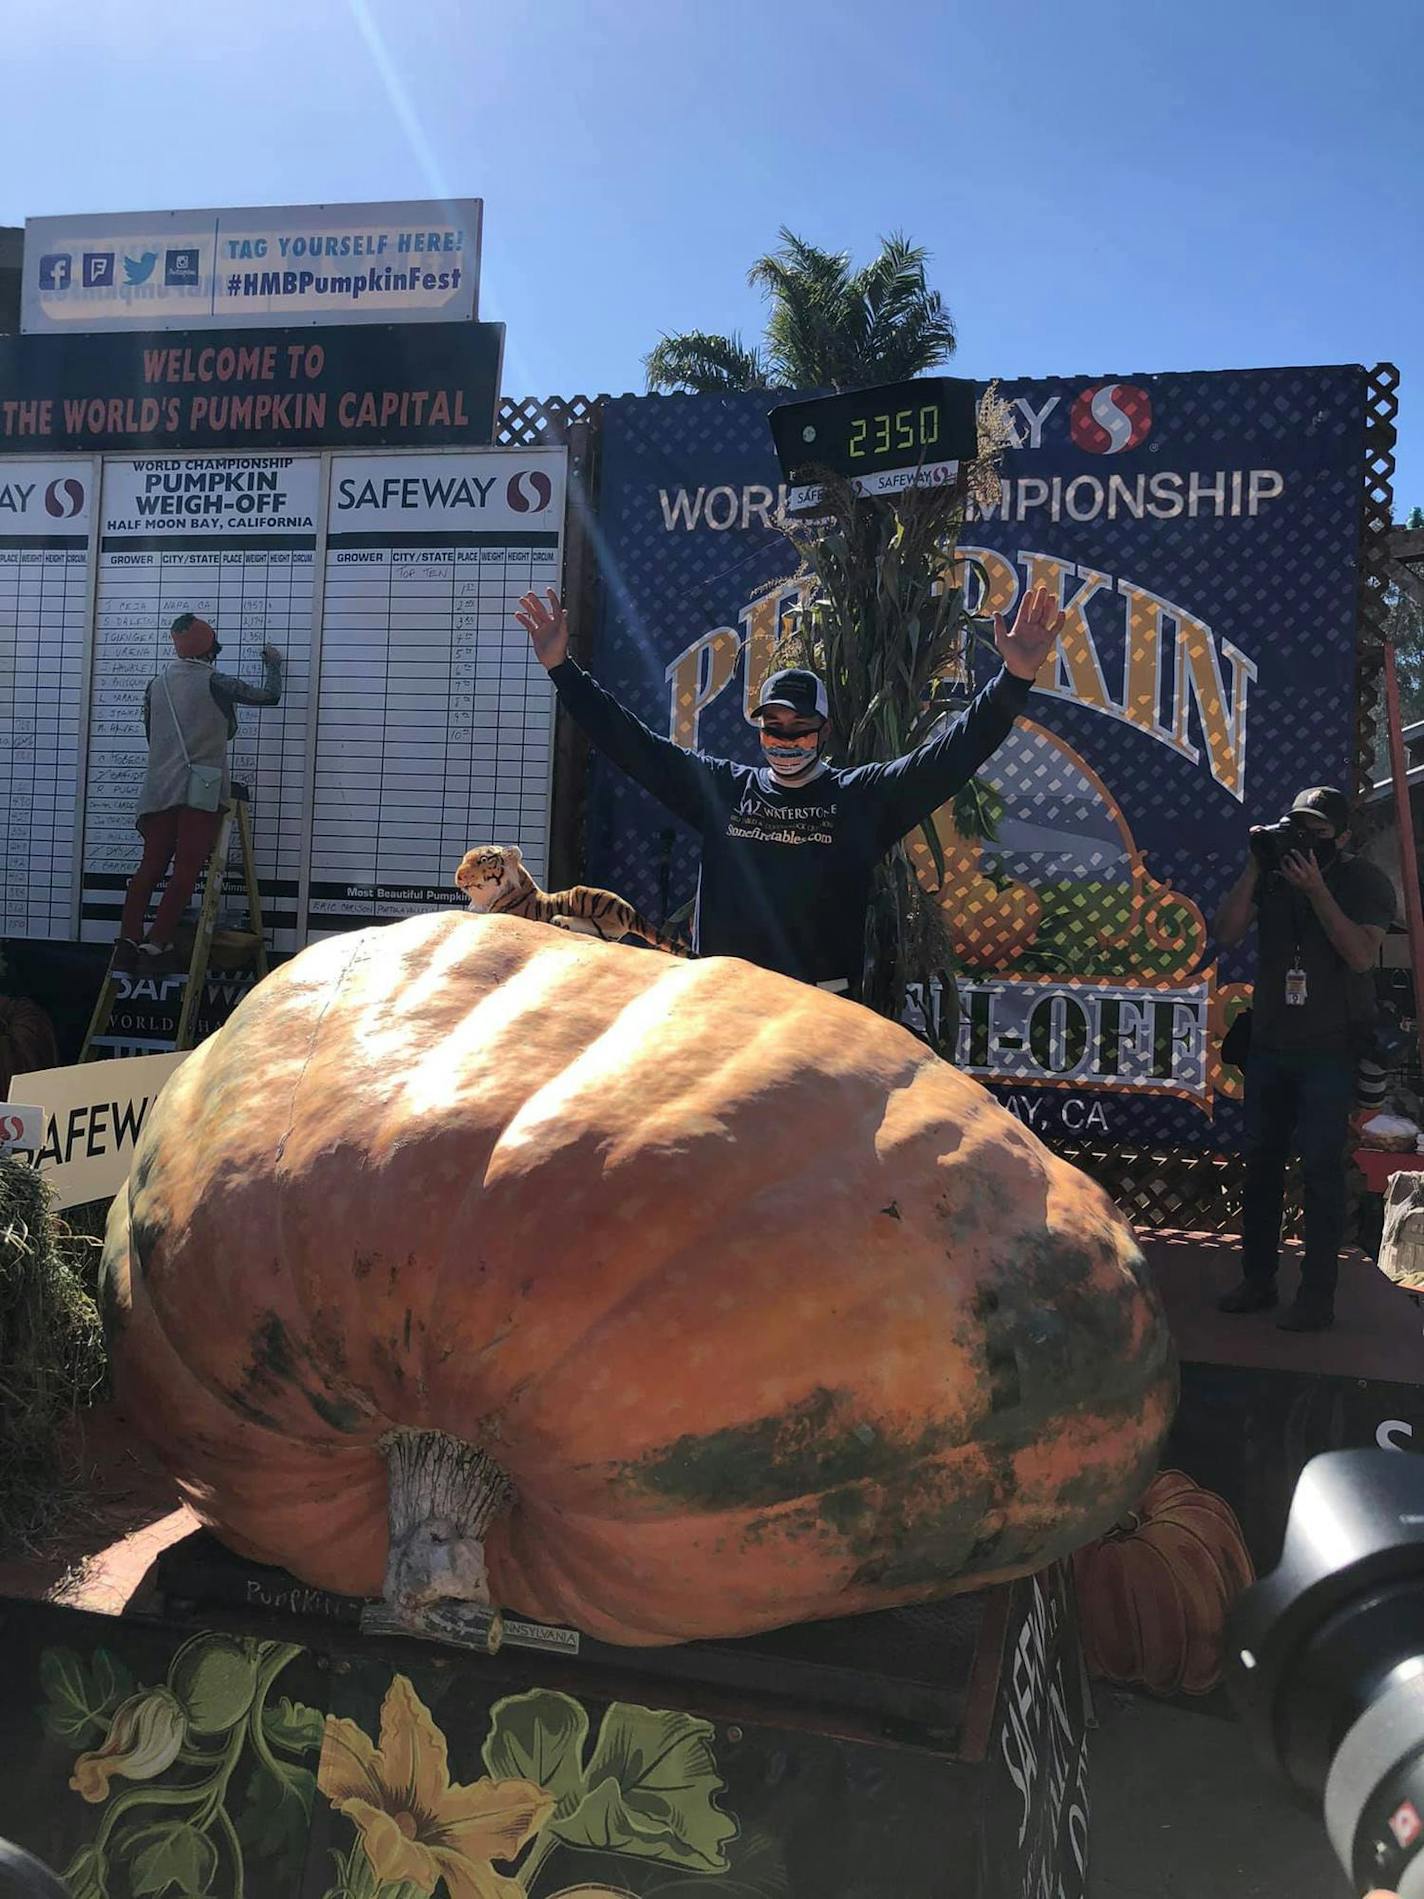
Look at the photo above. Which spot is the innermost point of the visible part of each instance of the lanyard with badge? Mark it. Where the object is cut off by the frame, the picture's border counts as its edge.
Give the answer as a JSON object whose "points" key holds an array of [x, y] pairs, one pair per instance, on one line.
{"points": [[1297, 984]]}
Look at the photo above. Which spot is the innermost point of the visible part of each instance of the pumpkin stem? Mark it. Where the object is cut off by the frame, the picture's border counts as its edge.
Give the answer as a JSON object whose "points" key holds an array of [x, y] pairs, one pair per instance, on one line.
{"points": [[444, 1494]]}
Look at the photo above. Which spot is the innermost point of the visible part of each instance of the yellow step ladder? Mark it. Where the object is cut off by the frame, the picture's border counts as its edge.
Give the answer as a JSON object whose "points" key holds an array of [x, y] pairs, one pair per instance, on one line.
{"points": [[233, 813]]}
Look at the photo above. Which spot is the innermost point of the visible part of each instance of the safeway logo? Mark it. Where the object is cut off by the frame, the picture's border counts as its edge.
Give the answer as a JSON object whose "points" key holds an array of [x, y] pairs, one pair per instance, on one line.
{"points": [[540, 491], [64, 499], [1111, 417], [1405, 1824]]}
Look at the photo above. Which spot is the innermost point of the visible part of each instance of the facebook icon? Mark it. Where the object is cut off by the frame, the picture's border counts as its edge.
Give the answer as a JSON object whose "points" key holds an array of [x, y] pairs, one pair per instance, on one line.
{"points": [[54, 271]]}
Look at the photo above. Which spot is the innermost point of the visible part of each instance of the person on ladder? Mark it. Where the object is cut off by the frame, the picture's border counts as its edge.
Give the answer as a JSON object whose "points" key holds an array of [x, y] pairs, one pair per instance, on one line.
{"points": [[189, 717]]}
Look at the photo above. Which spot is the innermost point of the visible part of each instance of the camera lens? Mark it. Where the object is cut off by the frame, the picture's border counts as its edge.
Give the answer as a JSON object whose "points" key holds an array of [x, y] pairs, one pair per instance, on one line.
{"points": [[1374, 1797], [1270, 842], [1327, 1660]]}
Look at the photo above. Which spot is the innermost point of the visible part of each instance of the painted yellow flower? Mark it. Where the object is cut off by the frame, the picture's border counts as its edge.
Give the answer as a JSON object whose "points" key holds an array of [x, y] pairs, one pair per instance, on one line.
{"points": [[414, 1824]]}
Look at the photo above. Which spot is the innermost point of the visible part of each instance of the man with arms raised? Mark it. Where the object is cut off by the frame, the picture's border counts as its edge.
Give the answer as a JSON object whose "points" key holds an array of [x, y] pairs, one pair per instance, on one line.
{"points": [[789, 848]]}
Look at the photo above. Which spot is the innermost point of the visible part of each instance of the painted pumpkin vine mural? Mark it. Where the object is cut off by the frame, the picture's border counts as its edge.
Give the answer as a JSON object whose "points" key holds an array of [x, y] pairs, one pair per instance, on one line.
{"points": [[207, 1774]]}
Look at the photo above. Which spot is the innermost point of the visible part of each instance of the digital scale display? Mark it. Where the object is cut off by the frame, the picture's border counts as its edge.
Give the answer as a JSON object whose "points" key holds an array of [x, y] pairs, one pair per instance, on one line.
{"points": [[882, 440]]}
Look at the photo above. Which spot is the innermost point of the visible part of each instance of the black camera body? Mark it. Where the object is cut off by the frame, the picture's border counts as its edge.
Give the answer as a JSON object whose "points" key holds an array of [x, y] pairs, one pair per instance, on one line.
{"points": [[1326, 1660], [1271, 842]]}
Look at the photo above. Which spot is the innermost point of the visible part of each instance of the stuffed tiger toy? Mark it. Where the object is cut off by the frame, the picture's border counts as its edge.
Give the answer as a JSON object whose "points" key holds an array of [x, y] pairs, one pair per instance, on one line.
{"points": [[494, 879]]}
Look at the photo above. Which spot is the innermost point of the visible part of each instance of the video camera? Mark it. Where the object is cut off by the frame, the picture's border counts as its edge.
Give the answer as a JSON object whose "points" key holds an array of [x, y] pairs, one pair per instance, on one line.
{"points": [[1326, 1660]]}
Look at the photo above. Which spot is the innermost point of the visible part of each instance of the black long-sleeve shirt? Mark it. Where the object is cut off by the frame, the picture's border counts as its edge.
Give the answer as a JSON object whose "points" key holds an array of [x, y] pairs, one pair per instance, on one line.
{"points": [[786, 870]]}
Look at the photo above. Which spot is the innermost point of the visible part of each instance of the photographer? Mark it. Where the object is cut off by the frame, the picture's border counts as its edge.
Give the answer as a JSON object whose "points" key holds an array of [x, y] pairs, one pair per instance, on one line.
{"points": [[1321, 915]]}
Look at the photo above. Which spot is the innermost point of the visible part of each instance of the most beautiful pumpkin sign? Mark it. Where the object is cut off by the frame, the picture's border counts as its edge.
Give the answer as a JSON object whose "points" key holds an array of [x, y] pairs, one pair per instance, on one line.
{"points": [[661, 1299]]}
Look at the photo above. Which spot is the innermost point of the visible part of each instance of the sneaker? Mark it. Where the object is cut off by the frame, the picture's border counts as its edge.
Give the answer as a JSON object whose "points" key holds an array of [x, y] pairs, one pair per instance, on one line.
{"points": [[1305, 1317], [124, 960], [153, 961], [1252, 1295]]}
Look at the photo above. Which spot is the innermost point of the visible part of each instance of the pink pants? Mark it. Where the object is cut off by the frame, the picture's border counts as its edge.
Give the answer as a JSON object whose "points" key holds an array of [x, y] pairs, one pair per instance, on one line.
{"points": [[182, 837]]}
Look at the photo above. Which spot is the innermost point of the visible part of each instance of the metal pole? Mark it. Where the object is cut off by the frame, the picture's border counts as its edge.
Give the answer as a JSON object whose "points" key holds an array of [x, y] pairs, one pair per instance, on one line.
{"points": [[1404, 820]]}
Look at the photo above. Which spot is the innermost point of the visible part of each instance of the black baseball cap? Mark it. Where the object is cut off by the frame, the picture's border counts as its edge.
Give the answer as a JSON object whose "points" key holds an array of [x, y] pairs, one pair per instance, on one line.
{"points": [[1324, 801], [797, 690]]}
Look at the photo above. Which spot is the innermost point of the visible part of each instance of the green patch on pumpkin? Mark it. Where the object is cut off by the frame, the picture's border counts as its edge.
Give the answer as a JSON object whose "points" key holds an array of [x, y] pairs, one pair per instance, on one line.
{"points": [[817, 1445], [274, 1370]]}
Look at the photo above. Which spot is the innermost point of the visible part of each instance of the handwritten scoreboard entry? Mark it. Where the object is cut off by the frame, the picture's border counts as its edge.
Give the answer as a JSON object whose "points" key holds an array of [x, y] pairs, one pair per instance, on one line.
{"points": [[436, 725], [414, 719], [45, 526]]}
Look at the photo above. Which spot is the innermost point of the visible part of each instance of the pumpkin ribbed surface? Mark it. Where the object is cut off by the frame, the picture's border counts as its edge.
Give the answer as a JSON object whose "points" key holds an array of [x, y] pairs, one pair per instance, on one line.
{"points": [[1155, 1592], [765, 1313]]}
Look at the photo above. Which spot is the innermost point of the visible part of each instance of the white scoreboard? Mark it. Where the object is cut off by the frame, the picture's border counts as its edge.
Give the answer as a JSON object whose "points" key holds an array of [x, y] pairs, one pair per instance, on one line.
{"points": [[414, 719], [436, 727], [46, 519]]}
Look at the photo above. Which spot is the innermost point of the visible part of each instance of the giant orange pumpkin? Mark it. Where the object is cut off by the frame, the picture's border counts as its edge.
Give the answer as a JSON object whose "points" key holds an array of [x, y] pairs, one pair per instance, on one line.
{"points": [[1155, 1592], [665, 1299]]}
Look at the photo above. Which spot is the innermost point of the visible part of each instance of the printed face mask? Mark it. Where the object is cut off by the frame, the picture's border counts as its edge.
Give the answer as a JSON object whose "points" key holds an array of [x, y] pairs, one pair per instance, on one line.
{"points": [[791, 754], [1326, 849]]}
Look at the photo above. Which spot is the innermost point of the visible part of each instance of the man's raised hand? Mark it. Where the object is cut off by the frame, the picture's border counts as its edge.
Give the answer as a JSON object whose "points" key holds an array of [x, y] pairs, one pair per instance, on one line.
{"points": [[547, 626], [1037, 624]]}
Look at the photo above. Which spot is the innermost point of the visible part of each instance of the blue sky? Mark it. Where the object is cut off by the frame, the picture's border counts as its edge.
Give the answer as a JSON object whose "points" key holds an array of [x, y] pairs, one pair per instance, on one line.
{"points": [[1105, 187]]}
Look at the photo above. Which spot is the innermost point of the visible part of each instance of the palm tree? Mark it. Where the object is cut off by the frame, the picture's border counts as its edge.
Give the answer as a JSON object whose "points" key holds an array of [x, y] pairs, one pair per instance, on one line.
{"points": [[883, 618], [830, 326]]}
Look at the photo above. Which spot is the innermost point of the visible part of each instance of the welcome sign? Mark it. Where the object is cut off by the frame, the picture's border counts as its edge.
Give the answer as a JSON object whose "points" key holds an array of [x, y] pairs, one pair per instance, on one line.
{"points": [[378, 387], [1201, 535]]}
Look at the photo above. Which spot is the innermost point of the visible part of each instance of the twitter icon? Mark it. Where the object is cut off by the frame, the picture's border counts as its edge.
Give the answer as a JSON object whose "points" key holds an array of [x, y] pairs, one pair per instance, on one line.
{"points": [[138, 270]]}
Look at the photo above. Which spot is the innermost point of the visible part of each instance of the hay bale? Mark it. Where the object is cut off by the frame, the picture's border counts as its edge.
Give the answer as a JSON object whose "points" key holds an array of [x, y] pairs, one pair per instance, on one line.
{"points": [[51, 1358]]}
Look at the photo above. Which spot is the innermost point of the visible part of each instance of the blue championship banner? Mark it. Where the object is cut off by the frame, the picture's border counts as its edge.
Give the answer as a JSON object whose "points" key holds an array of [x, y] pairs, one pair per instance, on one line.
{"points": [[1201, 534]]}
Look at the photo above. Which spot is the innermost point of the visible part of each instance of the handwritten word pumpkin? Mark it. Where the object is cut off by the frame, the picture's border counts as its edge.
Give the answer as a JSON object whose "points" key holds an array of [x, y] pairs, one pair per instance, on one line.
{"points": [[1153, 1594], [661, 1299]]}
